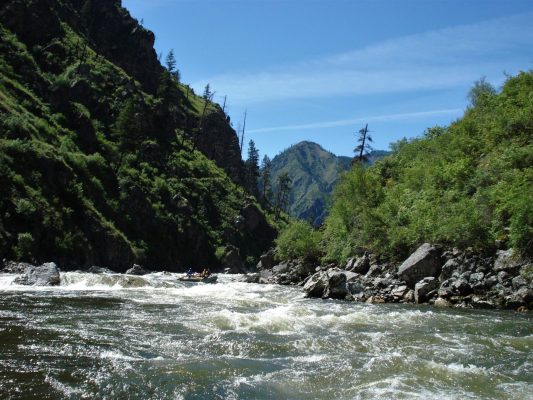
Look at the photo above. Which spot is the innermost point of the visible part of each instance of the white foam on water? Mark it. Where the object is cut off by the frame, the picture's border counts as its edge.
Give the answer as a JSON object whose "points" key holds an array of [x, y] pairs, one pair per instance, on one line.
{"points": [[457, 368], [66, 390], [117, 355]]}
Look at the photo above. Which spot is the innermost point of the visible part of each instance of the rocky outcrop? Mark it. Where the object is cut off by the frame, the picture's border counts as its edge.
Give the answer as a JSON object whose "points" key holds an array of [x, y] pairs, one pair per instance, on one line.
{"points": [[451, 278], [43, 275]]}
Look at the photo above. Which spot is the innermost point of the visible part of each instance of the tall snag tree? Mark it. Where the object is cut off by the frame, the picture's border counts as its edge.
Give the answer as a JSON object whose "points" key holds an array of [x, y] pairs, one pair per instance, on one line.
{"points": [[363, 147]]}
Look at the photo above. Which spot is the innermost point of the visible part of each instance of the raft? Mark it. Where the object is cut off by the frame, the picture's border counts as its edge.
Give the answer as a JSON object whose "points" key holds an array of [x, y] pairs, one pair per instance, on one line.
{"points": [[197, 279]]}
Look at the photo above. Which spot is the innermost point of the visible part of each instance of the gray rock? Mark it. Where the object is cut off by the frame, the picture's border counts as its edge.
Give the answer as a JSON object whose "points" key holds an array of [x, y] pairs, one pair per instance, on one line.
{"points": [[461, 287], [445, 290], [424, 287], [374, 271], [267, 260], [355, 288], [99, 270], [280, 268], [360, 265], [336, 286], [14, 267], [521, 297], [506, 260], [448, 269], [425, 261], [440, 302], [137, 270], [316, 285], [490, 281], [232, 260], [518, 282], [43, 275], [252, 277], [399, 292]]}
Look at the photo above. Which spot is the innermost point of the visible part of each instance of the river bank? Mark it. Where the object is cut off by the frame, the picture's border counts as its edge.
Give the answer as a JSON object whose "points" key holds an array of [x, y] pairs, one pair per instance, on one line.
{"points": [[432, 275]]}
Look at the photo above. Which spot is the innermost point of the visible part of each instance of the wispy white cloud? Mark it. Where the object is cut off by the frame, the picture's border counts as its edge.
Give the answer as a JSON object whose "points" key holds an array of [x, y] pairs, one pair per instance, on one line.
{"points": [[433, 60], [374, 118]]}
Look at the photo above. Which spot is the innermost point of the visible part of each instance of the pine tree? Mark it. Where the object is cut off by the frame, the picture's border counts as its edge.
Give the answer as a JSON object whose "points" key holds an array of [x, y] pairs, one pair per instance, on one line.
{"points": [[252, 168], [207, 93], [170, 61], [266, 179], [284, 188]]}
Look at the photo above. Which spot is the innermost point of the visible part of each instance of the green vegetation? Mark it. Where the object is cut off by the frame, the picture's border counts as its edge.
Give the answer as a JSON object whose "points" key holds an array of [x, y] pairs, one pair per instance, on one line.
{"points": [[105, 157], [314, 172], [299, 240], [466, 185]]}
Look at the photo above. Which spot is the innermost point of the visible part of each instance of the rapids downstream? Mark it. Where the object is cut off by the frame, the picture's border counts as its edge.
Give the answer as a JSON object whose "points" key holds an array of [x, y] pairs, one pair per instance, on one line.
{"points": [[152, 337]]}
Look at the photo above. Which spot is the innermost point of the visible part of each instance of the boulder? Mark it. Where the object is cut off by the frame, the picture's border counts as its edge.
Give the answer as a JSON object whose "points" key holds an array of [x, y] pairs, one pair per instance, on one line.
{"points": [[448, 269], [267, 260], [336, 287], [399, 292], [100, 270], [316, 285], [507, 260], [252, 278], [445, 290], [137, 270], [440, 302], [43, 275], [461, 287], [521, 297], [424, 287], [280, 268], [425, 261], [359, 265], [232, 260]]}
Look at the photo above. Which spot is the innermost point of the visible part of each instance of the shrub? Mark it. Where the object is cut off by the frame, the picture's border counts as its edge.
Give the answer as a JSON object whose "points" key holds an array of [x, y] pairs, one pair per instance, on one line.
{"points": [[299, 240]]}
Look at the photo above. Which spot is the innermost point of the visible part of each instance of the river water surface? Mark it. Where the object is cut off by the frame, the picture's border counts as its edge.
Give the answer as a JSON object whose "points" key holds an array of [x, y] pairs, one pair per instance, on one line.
{"points": [[152, 337]]}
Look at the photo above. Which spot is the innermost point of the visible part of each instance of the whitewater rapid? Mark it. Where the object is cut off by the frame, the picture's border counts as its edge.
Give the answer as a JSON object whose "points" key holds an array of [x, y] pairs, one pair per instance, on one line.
{"points": [[115, 336]]}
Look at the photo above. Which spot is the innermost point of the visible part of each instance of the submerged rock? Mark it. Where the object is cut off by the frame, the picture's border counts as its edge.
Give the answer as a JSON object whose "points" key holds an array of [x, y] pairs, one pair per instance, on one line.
{"points": [[137, 270], [46, 274]]}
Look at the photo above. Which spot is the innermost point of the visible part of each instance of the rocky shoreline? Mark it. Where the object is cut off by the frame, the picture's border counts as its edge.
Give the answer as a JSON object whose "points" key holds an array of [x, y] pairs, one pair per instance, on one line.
{"points": [[432, 275]]}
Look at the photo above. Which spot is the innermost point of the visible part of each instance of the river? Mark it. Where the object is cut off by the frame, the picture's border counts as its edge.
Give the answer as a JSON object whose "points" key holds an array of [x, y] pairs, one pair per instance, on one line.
{"points": [[152, 337]]}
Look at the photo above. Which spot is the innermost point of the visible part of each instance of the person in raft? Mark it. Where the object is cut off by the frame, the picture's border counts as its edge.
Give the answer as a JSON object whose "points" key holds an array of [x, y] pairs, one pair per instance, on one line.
{"points": [[205, 273], [189, 273]]}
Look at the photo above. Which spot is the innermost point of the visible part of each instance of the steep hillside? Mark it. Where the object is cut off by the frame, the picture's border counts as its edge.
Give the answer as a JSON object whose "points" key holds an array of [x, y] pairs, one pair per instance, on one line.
{"points": [[104, 157], [469, 185], [314, 173]]}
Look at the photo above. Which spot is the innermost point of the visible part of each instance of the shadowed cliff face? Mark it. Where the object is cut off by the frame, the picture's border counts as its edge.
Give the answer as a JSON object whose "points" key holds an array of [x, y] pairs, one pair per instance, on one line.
{"points": [[106, 158]]}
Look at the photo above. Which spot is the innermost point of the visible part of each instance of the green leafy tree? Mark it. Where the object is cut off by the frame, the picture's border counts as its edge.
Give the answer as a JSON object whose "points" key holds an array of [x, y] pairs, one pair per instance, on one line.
{"points": [[480, 91], [299, 240]]}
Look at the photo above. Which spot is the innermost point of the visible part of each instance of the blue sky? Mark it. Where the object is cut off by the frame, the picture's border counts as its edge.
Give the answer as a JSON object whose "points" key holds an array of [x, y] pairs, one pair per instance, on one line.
{"points": [[320, 69]]}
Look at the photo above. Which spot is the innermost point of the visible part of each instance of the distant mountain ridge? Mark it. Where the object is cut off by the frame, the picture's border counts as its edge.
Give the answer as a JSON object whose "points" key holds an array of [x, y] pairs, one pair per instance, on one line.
{"points": [[314, 172]]}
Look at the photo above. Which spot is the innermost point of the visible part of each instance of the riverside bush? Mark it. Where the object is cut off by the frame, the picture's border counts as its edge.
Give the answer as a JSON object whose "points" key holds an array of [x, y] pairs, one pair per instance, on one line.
{"points": [[299, 240]]}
